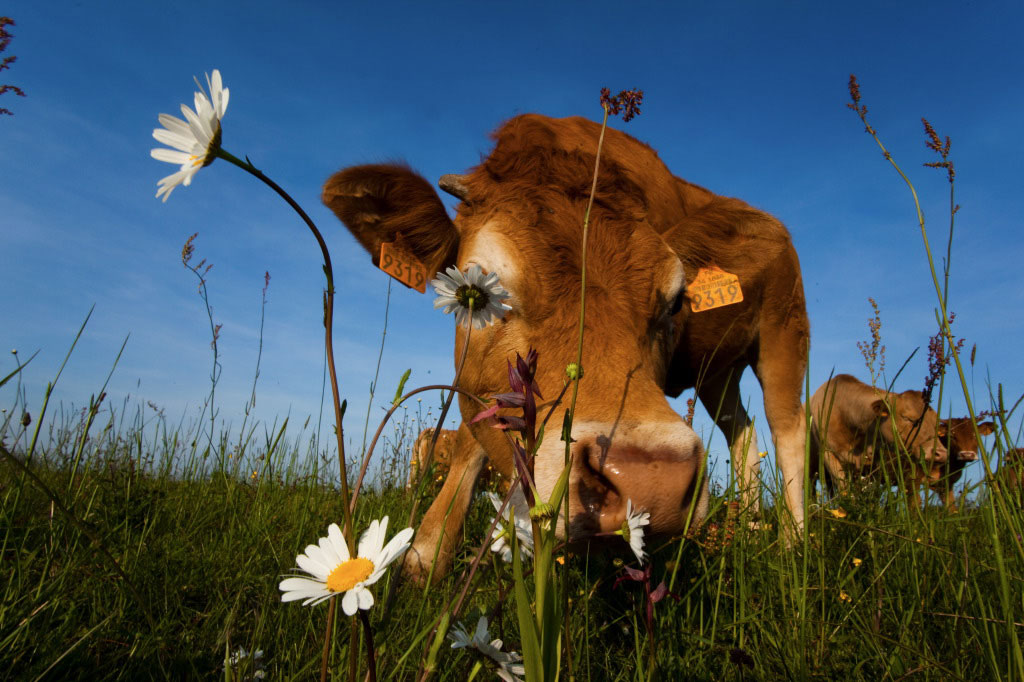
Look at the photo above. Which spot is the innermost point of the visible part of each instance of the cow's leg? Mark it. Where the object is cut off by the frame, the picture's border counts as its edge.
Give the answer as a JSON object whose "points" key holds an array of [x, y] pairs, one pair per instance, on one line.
{"points": [[435, 540], [720, 396], [948, 497], [838, 480], [914, 484], [780, 368]]}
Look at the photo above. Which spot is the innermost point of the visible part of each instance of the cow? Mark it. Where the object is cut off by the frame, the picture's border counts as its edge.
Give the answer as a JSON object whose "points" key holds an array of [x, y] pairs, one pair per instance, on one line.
{"points": [[859, 430], [962, 445], [650, 235], [442, 454], [1011, 475]]}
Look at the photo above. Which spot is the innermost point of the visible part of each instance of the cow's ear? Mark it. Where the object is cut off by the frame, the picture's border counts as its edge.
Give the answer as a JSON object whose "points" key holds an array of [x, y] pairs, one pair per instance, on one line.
{"points": [[942, 429], [879, 408], [378, 202], [986, 428]]}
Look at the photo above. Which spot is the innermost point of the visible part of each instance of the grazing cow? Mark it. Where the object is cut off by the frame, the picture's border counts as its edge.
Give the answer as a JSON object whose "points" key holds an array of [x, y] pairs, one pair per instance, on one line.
{"points": [[442, 454], [1011, 475], [651, 234], [962, 445], [854, 432]]}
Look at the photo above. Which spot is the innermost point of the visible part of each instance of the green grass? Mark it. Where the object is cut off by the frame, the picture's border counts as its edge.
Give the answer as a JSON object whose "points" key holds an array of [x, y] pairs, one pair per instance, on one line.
{"points": [[204, 543]]}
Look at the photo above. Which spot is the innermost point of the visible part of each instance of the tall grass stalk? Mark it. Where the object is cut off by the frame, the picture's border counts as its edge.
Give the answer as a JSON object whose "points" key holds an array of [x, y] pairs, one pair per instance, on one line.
{"points": [[941, 293]]}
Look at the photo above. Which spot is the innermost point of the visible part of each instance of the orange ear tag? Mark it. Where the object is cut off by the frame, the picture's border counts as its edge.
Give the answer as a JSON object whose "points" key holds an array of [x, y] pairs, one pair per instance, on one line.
{"points": [[399, 262], [713, 288]]}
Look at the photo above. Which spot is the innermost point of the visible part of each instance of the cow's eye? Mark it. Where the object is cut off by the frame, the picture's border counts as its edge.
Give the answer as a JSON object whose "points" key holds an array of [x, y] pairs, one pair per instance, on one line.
{"points": [[677, 303]]}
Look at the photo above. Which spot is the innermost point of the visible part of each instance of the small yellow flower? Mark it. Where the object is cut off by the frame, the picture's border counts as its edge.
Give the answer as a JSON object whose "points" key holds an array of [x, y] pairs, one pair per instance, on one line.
{"points": [[857, 562], [560, 560], [843, 596], [838, 512], [762, 455], [254, 475]]}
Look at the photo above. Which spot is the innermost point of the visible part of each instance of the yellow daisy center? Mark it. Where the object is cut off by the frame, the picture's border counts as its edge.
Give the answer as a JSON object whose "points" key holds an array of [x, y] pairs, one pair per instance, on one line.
{"points": [[348, 574]]}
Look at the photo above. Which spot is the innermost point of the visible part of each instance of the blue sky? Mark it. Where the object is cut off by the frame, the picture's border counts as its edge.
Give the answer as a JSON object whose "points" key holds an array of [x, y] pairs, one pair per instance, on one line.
{"points": [[745, 98]]}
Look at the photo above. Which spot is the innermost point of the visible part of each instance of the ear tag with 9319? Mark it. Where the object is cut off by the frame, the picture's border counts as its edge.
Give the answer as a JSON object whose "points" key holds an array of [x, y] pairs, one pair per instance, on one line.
{"points": [[713, 288], [398, 261]]}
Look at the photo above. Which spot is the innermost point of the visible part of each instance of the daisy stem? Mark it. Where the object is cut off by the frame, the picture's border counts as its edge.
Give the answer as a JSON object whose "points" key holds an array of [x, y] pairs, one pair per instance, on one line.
{"points": [[327, 641], [370, 658], [328, 324]]}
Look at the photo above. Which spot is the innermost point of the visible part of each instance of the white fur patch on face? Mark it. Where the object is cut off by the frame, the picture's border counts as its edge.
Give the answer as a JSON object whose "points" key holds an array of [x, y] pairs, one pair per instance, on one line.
{"points": [[676, 278], [493, 252]]}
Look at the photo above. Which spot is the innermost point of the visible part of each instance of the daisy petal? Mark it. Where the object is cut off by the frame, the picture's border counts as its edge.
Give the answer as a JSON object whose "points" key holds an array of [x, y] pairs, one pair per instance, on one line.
{"points": [[299, 583], [395, 547], [331, 557], [365, 598], [372, 542], [314, 568], [170, 156], [337, 539], [173, 139], [350, 603]]}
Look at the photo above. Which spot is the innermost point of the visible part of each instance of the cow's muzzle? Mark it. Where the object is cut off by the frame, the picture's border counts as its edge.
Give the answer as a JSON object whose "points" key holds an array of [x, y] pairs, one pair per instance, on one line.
{"points": [[661, 476]]}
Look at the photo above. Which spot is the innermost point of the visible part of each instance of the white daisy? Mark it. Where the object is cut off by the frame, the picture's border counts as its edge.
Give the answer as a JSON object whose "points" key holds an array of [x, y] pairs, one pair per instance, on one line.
{"points": [[474, 295], [194, 140], [509, 665], [632, 530], [238, 661], [523, 526], [333, 571]]}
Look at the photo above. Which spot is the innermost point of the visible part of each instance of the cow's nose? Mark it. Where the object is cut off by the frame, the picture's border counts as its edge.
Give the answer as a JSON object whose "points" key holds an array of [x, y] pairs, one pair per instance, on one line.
{"points": [[659, 478], [967, 456]]}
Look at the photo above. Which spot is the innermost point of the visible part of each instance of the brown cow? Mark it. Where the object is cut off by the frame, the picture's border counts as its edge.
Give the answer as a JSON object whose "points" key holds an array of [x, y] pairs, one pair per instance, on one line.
{"points": [[651, 234], [442, 454], [1011, 475], [962, 444], [854, 432]]}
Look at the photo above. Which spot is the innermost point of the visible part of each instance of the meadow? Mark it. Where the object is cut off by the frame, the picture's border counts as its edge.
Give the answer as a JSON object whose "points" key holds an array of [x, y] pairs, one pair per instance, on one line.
{"points": [[137, 547], [138, 553]]}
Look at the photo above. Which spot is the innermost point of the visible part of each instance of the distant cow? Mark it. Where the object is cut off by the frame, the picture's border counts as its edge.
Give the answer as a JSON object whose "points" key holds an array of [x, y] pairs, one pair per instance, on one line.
{"points": [[859, 430], [962, 444], [651, 235], [442, 454], [1011, 475]]}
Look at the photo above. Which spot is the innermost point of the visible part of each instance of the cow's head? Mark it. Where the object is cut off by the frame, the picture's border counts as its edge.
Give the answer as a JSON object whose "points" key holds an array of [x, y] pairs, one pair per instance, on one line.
{"points": [[522, 217], [907, 416], [961, 440]]}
